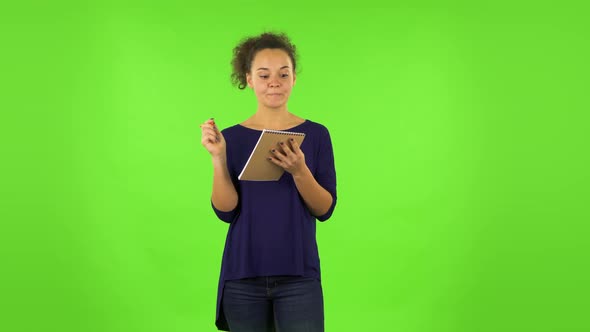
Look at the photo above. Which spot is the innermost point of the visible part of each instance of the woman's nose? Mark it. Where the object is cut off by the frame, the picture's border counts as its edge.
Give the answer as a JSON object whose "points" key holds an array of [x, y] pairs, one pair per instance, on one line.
{"points": [[274, 82]]}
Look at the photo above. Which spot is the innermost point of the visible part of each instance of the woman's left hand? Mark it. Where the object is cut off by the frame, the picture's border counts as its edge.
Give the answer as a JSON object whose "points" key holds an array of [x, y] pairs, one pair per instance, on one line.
{"points": [[289, 156]]}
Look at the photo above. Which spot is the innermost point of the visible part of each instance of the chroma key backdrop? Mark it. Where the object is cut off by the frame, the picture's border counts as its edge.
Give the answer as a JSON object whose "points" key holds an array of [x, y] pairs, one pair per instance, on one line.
{"points": [[460, 135]]}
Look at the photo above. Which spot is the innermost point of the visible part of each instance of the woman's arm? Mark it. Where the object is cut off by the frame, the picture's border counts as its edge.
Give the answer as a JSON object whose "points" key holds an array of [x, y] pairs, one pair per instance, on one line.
{"points": [[290, 157], [223, 196], [317, 199]]}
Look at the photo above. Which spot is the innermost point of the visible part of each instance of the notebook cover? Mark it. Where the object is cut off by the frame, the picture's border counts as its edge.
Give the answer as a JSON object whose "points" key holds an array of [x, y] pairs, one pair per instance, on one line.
{"points": [[258, 167]]}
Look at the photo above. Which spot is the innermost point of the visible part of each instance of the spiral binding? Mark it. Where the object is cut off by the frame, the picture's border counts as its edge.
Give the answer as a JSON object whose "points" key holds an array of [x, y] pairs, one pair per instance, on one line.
{"points": [[281, 132]]}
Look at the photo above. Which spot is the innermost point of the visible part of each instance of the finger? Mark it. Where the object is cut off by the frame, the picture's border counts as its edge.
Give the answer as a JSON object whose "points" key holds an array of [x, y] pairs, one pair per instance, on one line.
{"points": [[284, 147], [294, 146], [209, 125], [209, 122], [277, 154], [275, 161], [217, 132], [207, 128], [208, 138], [213, 128], [208, 131]]}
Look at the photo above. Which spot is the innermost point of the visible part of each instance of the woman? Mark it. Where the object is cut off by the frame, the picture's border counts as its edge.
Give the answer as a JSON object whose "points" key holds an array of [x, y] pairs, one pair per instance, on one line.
{"points": [[270, 273]]}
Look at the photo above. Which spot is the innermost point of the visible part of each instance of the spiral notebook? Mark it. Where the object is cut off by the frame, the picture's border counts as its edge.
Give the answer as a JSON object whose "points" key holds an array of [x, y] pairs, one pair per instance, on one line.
{"points": [[258, 167]]}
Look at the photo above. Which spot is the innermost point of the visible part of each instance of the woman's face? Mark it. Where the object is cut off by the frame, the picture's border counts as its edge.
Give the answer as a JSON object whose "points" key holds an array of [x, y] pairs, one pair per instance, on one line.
{"points": [[271, 77]]}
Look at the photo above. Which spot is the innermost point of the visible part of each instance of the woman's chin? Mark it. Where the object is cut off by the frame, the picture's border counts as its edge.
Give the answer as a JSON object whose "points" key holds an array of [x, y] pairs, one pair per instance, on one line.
{"points": [[274, 105]]}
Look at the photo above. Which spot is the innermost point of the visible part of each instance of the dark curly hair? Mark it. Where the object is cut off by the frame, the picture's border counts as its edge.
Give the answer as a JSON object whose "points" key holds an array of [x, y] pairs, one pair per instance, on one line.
{"points": [[244, 53]]}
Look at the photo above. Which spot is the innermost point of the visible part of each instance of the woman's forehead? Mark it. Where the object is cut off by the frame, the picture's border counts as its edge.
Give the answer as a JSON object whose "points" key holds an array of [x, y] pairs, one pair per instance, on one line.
{"points": [[271, 59]]}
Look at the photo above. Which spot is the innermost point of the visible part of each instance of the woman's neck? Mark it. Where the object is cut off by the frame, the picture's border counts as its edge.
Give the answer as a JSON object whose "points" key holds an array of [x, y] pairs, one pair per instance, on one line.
{"points": [[272, 119]]}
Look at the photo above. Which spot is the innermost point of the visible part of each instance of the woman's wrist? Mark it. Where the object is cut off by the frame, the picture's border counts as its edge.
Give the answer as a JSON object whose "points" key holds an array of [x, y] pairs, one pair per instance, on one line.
{"points": [[304, 172], [219, 160]]}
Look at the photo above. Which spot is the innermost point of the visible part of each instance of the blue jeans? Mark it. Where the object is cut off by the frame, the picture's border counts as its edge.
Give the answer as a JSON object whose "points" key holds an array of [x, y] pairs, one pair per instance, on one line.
{"points": [[277, 303]]}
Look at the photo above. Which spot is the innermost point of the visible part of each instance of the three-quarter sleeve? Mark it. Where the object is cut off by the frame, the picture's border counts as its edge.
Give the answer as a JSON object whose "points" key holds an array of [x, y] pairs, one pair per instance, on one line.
{"points": [[227, 216], [326, 172]]}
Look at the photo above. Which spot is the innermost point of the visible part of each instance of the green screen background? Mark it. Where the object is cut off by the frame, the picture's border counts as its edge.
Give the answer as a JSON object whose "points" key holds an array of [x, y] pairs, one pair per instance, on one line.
{"points": [[460, 134]]}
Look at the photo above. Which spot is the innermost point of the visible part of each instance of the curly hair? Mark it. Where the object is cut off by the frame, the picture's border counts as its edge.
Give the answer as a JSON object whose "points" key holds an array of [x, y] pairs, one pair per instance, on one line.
{"points": [[244, 53]]}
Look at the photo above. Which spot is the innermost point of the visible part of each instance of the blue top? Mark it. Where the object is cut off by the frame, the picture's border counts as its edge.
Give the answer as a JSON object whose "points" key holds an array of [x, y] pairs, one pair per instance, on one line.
{"points": [[271, 230]]}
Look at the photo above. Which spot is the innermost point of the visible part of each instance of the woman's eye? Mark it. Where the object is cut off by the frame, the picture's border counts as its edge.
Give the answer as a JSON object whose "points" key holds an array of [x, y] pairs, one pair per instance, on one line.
{"points": [[283, 75]]}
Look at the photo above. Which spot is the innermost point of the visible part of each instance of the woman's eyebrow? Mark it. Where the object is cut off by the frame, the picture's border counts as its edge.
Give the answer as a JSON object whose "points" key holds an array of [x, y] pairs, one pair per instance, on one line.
{"points": [[264, 68]]}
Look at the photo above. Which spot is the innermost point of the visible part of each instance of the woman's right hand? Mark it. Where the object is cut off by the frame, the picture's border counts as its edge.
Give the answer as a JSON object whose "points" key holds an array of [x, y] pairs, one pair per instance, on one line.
{"points": [[212, 139]]}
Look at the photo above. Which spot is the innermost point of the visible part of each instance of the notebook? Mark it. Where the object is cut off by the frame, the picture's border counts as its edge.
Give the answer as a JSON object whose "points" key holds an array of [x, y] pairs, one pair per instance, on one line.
{"points": [[258, 167]]}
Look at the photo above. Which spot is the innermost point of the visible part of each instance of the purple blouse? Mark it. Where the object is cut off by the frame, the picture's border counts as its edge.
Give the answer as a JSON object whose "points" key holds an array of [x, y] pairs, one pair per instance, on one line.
{"points": [[271, 231]]}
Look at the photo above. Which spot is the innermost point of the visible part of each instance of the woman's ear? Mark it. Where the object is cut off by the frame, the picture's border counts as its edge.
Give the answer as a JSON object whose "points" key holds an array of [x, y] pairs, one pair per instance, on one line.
{"points": [[294, 79], [249, 80]]}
